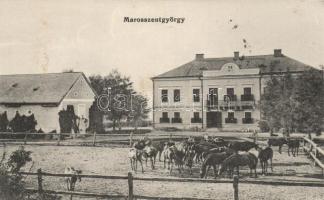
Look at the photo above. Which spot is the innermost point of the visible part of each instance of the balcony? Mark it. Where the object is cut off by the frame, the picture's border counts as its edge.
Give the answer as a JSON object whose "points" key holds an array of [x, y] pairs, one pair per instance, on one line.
{"points": [[164, 120], [176, 120], [230, 120], [247, 97], [232, 105], [247, 120], [196, 120], [230, 98], [212, 104]]}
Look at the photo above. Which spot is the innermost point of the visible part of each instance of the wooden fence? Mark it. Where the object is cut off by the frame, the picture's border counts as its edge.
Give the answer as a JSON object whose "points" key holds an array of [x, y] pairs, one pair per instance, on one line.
{"points": [[130, 196], [315, 152], [57, 137]]}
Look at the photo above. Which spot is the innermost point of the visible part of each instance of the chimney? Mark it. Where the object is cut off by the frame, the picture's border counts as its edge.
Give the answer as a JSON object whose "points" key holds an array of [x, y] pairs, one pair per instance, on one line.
{"points": [[277, 53], [200, 56], [236, 55]]}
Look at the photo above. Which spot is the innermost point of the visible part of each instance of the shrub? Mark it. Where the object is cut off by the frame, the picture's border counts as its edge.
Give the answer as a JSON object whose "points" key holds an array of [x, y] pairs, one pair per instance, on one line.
{"points": [[3, 122], [264, 126]]}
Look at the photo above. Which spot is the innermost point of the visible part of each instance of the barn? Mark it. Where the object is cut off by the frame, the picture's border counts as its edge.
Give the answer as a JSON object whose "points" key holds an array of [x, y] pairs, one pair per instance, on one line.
{"points": [[45, 95]]}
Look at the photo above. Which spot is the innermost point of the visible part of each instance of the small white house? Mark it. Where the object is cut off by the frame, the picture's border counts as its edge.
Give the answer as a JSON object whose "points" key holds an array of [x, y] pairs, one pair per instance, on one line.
{"points": [[45, 95]]}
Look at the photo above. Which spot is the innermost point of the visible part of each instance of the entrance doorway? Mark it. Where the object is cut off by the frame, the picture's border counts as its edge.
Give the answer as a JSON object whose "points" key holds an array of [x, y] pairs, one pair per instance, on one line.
{"points": [[214, 119]]}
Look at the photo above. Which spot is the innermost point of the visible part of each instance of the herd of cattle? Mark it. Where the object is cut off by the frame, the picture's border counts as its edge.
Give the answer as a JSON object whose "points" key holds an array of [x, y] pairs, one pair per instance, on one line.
{"points": [[208, 152]]}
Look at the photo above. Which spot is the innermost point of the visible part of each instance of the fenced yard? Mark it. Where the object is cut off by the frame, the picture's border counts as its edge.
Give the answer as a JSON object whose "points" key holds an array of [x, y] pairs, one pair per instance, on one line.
{"points": [[102, 161]]}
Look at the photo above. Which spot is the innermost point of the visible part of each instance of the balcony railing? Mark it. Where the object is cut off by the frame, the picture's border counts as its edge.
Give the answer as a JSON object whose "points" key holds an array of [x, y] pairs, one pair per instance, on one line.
{"points": [[230, 98], [176, 120], [247, 120], [247, 97], [233, 105], [230, 120], [196, 120], [164, 120]]}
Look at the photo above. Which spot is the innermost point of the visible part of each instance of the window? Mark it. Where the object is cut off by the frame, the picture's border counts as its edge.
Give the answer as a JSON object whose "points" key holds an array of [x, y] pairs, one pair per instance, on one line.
{"points": [[231, 115], [165, 115], [176, 118], [164, 95], [177, 115], [196, 115], [164, 118], [230, 118], [176, 95], [247, 91], [213, 96], [230, 91], [247, 118], [196, 118], [248, 115], [196, 95]]}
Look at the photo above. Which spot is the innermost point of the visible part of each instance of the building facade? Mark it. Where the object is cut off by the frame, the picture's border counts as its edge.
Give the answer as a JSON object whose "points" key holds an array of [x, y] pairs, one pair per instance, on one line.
{"points": [[44, 95], [222, 93]]}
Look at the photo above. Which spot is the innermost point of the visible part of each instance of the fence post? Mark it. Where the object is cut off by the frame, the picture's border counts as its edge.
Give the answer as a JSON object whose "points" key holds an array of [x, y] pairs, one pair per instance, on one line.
{"points": [[59, 139], [130, 186], [25, 139], [235, 186], [94, 138], [131, 139], [315, 154], [40, 181]]}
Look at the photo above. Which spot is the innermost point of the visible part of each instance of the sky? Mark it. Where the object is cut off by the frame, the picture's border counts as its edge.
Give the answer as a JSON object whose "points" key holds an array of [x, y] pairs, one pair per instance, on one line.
{"points": [[44, 36]]}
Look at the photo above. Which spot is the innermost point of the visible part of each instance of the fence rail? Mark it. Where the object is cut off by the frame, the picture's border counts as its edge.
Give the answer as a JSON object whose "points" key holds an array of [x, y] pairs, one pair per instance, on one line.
{"points": [[130, 196], [312, 149], [131, 180], [97, 138]]}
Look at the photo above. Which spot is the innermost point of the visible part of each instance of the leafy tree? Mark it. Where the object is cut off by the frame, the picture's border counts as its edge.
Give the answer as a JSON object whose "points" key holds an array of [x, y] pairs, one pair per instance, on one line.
{"points": [[294, 102], [119, 89], [310, 100], [139, 109], [269, 103]]}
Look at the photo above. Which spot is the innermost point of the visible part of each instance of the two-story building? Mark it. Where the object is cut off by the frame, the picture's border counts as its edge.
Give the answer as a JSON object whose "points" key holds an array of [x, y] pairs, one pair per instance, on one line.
{"points": [[219, 93]]}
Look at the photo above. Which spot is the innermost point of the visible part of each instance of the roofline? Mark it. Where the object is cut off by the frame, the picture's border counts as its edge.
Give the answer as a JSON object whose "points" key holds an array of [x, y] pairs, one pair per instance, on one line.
{"points": [[30, 103], [156, 77], [40, 73]]}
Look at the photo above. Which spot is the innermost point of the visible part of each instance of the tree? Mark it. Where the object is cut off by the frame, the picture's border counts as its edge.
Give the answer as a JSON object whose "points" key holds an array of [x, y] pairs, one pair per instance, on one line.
{"points": [[139, 109], [118, 89], [310, 99], [270, 100], [294, 102]]}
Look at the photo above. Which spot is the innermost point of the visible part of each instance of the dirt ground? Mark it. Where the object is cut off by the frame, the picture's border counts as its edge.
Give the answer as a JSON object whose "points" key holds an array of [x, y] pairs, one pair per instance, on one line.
{"points": [[114, 161]]}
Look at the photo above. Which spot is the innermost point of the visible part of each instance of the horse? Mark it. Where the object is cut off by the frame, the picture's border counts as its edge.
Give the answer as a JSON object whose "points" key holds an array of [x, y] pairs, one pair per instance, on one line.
{"points": [[277, 142], [201, 148], [242, 146], [265, 155], [189, 159], [135, 155], [212, 159], [168, 155], [237, 160], [213, 150], [71, 180], [293, 145], [150, 152], [159, 147]]}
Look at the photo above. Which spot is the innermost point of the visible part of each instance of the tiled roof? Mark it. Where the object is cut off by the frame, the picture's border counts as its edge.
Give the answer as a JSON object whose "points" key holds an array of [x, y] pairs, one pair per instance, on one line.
{"points": [[266, 63], [36, 88]]}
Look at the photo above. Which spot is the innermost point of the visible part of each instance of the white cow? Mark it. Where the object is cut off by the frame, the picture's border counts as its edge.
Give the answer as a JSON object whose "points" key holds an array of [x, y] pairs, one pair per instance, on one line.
{"points": [[71, 180]]}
